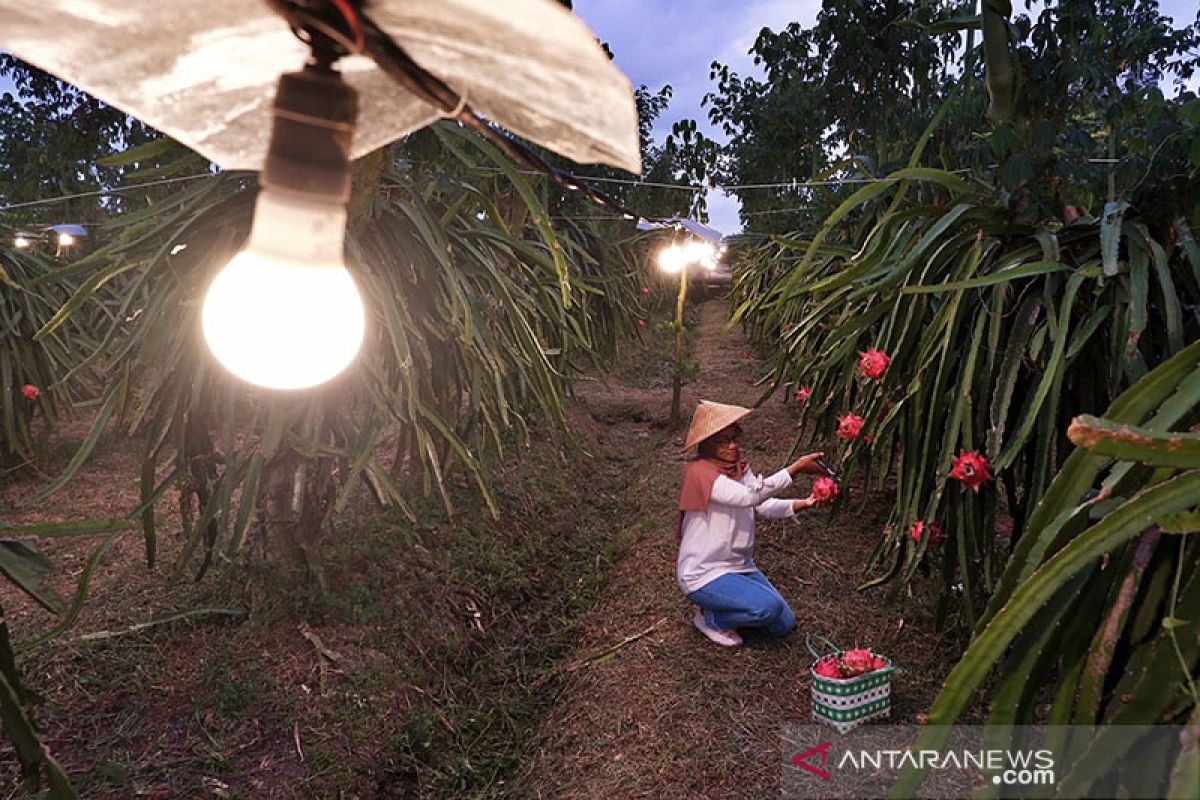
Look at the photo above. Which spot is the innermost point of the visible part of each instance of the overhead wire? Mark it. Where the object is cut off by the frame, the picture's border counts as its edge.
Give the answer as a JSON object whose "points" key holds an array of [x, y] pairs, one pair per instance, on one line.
{"points": [[100, 192]]}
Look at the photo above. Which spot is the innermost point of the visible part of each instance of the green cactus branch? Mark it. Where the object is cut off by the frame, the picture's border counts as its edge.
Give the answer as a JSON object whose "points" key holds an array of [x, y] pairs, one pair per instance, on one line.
{"points": [[1134, 443]]}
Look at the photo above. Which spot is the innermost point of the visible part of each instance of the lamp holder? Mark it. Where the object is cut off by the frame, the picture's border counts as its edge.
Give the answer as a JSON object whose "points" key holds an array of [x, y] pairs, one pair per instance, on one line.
{"points": [[315, 114]]}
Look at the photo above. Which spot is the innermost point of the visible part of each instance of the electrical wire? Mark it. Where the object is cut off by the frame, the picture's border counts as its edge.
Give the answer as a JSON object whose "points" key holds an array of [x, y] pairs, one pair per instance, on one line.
{"points": [[99, 192], [352, 20]]}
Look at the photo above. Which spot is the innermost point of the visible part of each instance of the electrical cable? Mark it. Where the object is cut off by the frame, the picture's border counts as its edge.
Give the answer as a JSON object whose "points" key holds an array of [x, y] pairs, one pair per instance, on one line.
{"points": [[352, 20], [99, 192]]}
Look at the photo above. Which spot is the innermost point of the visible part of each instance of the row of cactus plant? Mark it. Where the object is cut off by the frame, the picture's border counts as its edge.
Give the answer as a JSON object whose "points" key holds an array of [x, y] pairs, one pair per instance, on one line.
{"points": [[953, 346], [1100, 598]]}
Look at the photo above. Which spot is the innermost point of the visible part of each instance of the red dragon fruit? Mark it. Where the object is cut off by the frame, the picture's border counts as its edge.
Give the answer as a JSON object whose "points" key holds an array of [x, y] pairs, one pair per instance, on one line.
{"points": [[850, 664], [645, 290], [30, 392], [825, 489], [849, 426], [971, 469], [802, 394], [858, 661], [919, 527], [873, 363], [827, 668]]}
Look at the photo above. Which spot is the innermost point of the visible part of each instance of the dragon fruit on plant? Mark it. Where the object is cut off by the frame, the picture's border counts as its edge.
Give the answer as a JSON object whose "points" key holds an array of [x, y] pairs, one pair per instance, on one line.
{"points": [[918, 528], [849, 426], [873, 363], [971, 469], [825, 489], [802, 394]]}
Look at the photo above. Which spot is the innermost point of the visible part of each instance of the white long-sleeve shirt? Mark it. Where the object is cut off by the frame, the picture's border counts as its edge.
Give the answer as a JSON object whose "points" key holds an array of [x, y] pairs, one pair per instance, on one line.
{"points": [[720, 539]]}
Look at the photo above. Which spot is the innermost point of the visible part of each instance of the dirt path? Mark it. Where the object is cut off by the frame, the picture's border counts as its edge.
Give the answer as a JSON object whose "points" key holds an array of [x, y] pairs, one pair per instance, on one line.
{"points": [[671, 714]]}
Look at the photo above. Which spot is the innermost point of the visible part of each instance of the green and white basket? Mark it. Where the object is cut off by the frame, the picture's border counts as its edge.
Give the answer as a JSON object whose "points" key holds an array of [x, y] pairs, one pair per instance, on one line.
{"points": [[846, 703]]}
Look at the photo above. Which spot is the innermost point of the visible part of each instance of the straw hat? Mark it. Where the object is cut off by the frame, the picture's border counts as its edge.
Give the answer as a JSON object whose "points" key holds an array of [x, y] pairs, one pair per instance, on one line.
{"points": [[710, 418]]}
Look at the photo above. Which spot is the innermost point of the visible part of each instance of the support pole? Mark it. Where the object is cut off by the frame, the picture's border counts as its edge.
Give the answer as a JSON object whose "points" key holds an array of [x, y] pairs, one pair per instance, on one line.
{"points": [[677, 386]]}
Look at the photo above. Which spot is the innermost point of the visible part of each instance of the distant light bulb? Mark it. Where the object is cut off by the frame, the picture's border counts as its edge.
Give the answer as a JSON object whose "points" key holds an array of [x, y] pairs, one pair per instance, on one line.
{"points": [[21, 241], [65, 240], [672, 259], [285, 313]]}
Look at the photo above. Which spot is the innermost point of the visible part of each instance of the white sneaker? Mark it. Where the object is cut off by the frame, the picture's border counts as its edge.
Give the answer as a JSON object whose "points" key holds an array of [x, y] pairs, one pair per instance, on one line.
{"points": [[721, 637]]}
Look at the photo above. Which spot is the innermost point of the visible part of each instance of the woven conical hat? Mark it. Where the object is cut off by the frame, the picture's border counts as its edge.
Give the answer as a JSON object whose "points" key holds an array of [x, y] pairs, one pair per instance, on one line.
{"points": [[710, 418]]}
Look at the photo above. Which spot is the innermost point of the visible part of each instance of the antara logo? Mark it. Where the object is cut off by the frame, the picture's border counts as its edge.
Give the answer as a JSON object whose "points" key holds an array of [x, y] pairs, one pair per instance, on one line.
{"points": [[801, 760]]}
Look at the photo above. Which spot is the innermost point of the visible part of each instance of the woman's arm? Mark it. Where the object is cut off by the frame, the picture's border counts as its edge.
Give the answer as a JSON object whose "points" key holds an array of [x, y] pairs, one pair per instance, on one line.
{"points": [[776, 508], [807, 464], [729, 492]]}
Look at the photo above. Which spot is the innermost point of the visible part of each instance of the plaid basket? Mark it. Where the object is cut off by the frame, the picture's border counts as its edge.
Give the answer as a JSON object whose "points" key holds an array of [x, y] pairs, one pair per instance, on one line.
{"points": [[846, 703]]}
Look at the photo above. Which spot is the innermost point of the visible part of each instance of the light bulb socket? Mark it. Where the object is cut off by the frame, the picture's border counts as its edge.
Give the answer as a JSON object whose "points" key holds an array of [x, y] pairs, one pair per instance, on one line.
{"points": [[315, 113]]}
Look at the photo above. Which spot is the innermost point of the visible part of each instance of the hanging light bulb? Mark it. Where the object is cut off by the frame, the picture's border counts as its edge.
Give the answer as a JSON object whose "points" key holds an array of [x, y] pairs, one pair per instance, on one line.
{"points": [[285, 313], [65, 240], [22, 240]]}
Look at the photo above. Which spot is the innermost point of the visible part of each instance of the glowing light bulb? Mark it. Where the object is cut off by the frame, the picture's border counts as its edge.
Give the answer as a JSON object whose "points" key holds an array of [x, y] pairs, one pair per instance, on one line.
{"points": [[285, 313], [672, 258], [65, 240], [21, 241]]}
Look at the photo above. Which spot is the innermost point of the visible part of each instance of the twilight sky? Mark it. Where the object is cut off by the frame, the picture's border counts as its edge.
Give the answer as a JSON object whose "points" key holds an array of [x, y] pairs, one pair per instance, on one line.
{"points": [[659, 42]]}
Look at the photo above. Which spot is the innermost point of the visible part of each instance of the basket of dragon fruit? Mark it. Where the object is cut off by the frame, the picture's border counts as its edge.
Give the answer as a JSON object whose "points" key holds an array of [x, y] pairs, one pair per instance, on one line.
{"points": [[849, 687]]}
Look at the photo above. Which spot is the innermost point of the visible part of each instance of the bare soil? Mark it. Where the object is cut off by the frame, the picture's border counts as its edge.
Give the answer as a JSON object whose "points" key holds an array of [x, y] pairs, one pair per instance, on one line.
{"points": [[546, 654]]}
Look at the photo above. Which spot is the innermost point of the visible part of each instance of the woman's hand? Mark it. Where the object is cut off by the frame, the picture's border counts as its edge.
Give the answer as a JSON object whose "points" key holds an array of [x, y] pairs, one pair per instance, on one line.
{"points": [[812, 501], [807, 464]]}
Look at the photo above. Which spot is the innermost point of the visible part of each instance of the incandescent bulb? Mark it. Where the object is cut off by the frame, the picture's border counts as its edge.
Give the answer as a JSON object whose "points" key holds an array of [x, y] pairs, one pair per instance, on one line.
{"points": [[285, 313], [672, 258], [66, 240], [21, 242]]}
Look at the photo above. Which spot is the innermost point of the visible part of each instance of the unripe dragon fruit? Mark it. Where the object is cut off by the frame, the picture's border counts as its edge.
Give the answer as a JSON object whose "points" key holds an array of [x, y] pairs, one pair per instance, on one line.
{"points": [[971, 469], [849, 426], [825, 489], [873, 363]]}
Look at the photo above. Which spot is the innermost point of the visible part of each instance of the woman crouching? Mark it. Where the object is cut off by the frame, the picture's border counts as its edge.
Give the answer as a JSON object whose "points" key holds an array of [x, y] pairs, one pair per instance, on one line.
{"points": [[720, 495]]}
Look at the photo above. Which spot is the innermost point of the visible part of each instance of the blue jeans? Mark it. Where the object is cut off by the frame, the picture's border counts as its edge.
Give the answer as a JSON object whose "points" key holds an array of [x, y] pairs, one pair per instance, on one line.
{"points": [[744, 600]]}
